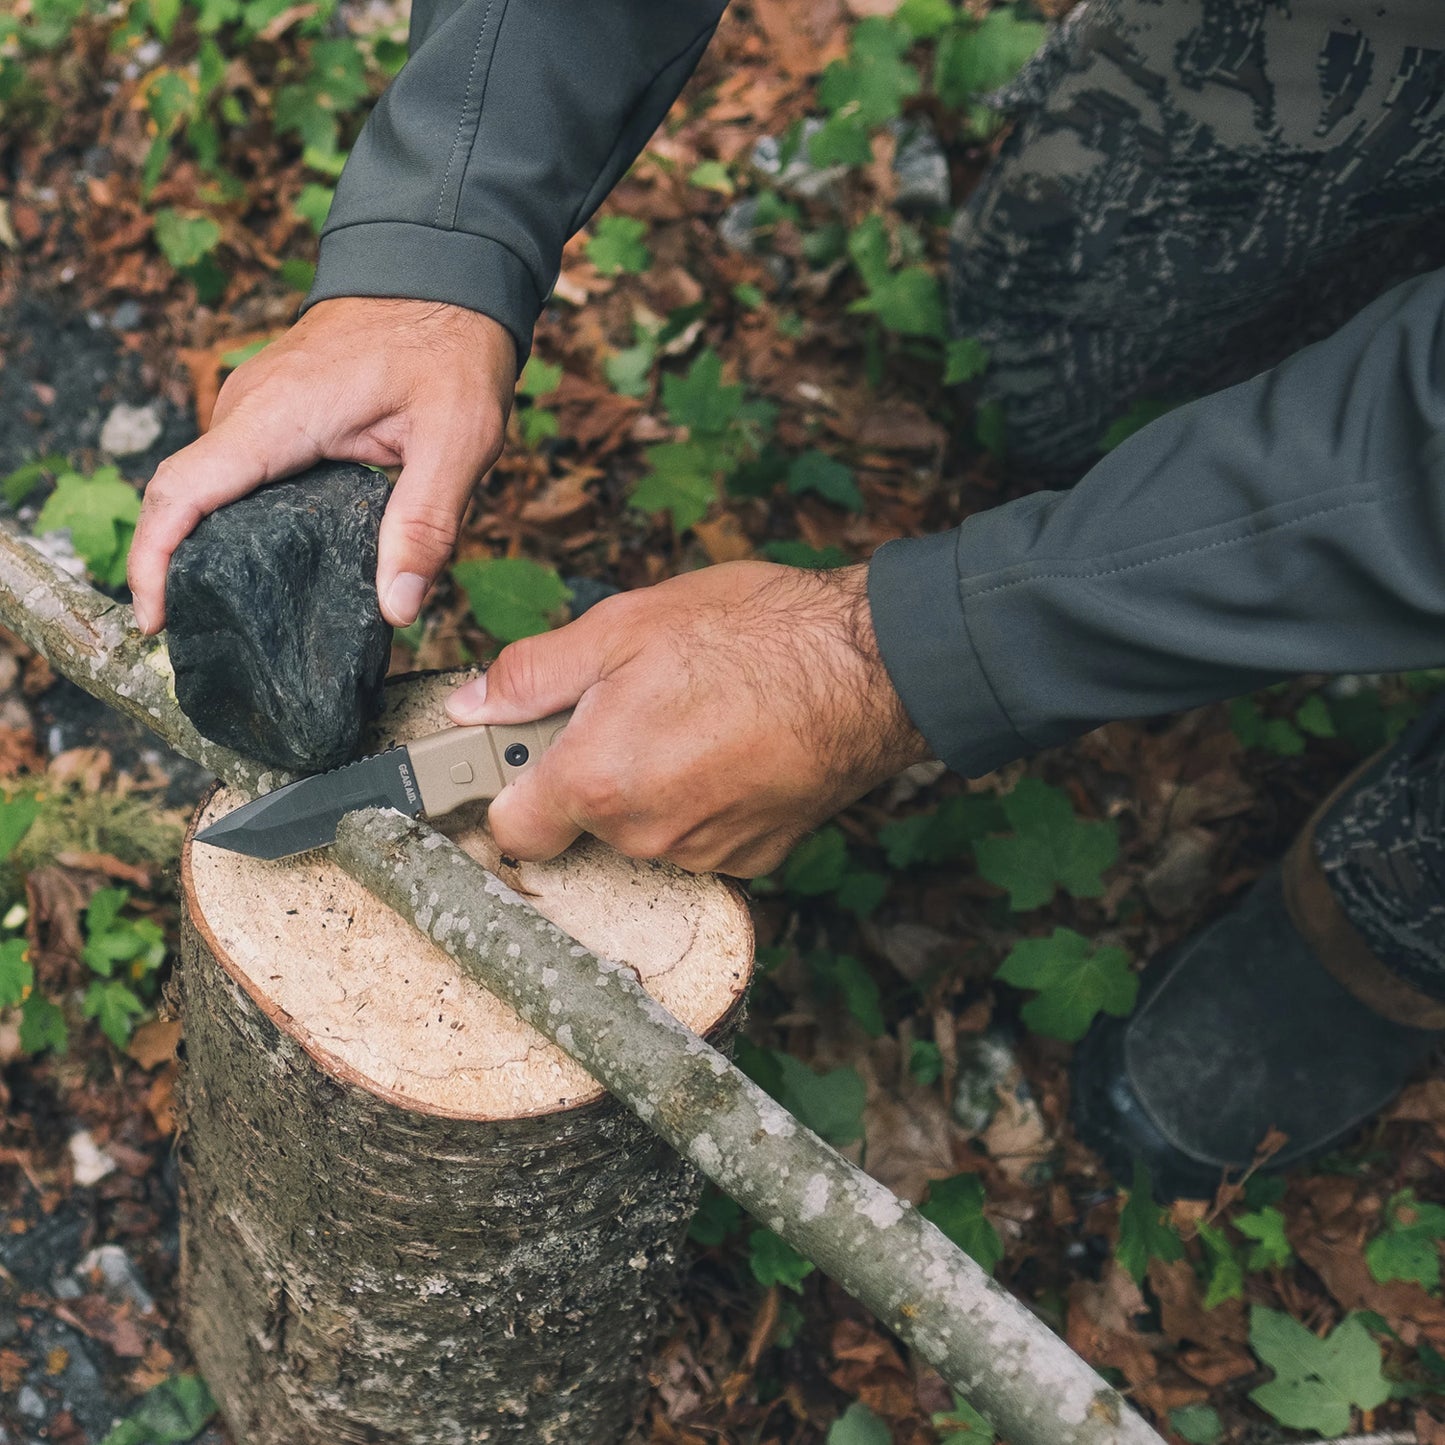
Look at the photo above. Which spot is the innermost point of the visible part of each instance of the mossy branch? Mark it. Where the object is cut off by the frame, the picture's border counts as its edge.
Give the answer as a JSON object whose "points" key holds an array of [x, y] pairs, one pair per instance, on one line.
{"points": [[986, 1343]]}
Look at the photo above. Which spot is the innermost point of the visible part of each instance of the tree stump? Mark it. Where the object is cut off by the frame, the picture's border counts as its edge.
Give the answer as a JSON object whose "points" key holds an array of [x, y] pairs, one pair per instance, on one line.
{"points": [[406, 1216]]}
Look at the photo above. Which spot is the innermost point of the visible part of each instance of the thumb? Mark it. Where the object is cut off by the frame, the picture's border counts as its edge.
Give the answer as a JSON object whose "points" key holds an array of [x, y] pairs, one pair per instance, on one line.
{"points": [[529, 818], [532, 678], [419, 531]]}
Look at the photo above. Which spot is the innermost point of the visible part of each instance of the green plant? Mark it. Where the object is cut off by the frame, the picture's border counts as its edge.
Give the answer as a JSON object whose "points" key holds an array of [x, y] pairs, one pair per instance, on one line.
{"points": [[1050, 848], [171, 1413], [1223, 1274], [1075, 981], [1318, 1382], [100, 512], [822, 864], [1198, 1424], [907, 300], [858, 1425], [1144, 1229], [815, 472], [723, 431], [1272, 1249], [830, 1104], [956, 1206], [1408, 1244], [840, 975], [949, 831], [539, 380], [775, 1261], [616, 246], [136, 947], [511, 597]]}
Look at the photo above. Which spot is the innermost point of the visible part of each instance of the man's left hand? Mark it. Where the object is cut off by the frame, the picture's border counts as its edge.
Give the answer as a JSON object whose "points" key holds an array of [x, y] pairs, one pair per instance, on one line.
{"points": [[720, 716]]}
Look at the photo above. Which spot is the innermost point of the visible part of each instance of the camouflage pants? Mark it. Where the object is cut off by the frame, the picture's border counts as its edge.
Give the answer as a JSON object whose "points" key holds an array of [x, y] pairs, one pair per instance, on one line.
{"points": [[1193, 189]]}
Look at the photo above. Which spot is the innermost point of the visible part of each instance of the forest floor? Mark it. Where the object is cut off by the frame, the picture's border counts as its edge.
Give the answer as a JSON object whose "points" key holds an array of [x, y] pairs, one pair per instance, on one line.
{"points": [[163, 170]]}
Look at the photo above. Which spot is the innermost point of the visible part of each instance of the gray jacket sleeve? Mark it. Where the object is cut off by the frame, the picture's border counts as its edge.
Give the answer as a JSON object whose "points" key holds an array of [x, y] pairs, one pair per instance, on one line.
{"points": [[509, 123], [1295, 523]]}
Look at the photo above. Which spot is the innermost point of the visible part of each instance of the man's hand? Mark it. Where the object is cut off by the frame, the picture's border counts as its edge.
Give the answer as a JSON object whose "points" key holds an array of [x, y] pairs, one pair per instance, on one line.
{"points": [[719, 717], [412, 383]]}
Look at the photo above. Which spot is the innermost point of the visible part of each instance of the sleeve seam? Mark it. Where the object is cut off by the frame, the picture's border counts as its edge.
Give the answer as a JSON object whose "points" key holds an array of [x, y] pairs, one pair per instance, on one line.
{"points": [[462, 121], [444, 230], [1003, 712], [1091, 576]]}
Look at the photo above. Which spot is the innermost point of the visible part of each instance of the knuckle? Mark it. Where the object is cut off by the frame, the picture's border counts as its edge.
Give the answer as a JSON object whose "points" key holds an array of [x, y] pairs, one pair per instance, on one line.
{"points": [[517, 669], [431, 529], [602, 797]]}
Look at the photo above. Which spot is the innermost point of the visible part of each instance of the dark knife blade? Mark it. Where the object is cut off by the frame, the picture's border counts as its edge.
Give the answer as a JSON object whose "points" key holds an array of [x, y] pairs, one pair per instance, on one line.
{"points": [[305, 814]]}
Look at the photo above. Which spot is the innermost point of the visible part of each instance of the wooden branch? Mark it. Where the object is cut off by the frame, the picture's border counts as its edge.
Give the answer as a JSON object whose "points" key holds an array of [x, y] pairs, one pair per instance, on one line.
{"points": [[986, 1343]]}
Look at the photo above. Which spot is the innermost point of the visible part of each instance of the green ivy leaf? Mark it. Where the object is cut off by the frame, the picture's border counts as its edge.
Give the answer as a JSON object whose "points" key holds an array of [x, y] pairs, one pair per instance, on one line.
{"points": [[42, 1025], [1226, 1278], [973, 60], [926, 19], [841, 975], [17, 977], [629, 372], [1050, 848], [100, 513], [19, 484], [964, 359], [818, 864], [616, 246], [990, 428], [842, 140], [539, 378], [858, 1425], [1198, 1424], [699, 401], [1075, 982], [925, 1062], [1272, 1249], [716, 1218], [712, 176], [313, 204], [1408, 1247], [908, 303], [956, 1206], [775, 1261], [874, 81], [1313, 717], [682, 482], [948, 832], [114, 1006], [963, 1425], [1275, 735], [822, 475], [830, 1104], [1144, 1230], [861, 891], [511, 597], [16, 816], [172, 1413], [184, 240], [1316, 1382]]}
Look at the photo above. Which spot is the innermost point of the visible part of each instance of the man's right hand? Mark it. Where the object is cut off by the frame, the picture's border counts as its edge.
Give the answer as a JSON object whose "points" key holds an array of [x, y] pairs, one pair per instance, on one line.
{"points": [[419, 384]]}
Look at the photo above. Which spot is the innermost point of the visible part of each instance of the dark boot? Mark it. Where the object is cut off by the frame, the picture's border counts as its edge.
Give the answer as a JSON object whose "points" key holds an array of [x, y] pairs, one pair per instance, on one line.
{"points": [[1287, 1013]]}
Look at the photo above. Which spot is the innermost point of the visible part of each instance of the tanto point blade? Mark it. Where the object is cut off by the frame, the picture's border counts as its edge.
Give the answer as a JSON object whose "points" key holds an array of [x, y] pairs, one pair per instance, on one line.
{"points": [[305, 814]]}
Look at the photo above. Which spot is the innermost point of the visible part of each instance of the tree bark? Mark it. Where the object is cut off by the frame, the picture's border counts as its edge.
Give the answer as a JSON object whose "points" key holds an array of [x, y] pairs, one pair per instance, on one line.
{"points": [[406, 1216], [984, 1342]]}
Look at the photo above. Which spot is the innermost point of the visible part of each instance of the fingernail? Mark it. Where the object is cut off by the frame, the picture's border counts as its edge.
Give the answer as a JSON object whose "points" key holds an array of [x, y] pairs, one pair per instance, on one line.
{"points": [[404, 597], [466, 703], [142, 617]]}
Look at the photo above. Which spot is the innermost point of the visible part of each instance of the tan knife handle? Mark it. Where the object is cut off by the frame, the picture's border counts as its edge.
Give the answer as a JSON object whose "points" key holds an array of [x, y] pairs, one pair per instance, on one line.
{"points": [[462, 765]]}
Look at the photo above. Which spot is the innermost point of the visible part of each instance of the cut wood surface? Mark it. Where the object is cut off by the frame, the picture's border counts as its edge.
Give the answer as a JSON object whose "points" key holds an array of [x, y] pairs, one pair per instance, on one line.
{"points": [[396, 1190], [378, 1005], [986, 1343]]}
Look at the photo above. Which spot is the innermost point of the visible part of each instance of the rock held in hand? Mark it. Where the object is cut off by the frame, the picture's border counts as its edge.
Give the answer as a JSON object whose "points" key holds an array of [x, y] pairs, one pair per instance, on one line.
{"points": [[278, 644]]}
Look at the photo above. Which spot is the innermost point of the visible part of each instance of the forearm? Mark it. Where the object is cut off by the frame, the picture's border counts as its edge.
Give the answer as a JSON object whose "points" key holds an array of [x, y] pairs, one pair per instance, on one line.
{"points": [[502, 134], [1295, 523]]}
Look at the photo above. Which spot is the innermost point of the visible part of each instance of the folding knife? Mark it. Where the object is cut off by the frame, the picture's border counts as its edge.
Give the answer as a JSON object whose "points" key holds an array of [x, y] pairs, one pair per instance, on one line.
{"points": [[432, 775]]}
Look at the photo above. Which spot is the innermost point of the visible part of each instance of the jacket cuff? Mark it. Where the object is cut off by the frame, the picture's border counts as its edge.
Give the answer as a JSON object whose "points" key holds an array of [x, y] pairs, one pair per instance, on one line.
{"points": [[928, 651], [424, 263]]}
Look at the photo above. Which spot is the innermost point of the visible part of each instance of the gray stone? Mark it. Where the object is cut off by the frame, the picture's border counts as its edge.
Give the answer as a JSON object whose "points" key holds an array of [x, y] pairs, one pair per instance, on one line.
{"points": [[920, 168], [799, 177], [118, 1276], [738, 228], [31, 1403], [588, 592], [276, 637], [130, 430], [127, 316], [986, 1064]]}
